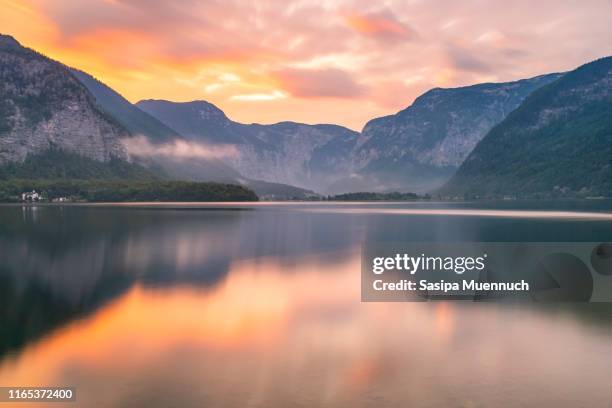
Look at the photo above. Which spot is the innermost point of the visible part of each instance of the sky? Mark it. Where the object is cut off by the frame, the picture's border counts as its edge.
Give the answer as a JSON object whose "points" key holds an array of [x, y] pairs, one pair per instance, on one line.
{"points": [[322, 61]]}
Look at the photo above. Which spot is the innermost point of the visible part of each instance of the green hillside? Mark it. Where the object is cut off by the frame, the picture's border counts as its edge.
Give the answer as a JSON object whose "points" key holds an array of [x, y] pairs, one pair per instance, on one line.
{"points": [[59, 164]]}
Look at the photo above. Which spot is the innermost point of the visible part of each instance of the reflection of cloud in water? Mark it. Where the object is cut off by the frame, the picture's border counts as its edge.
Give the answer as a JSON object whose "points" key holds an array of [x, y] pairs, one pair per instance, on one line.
{"points": [[265, 337]]}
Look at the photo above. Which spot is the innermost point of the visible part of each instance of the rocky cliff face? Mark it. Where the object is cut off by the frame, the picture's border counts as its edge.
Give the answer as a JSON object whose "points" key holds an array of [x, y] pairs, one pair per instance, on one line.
{"points": [[422, 145], [310, 156], [43, 106]]}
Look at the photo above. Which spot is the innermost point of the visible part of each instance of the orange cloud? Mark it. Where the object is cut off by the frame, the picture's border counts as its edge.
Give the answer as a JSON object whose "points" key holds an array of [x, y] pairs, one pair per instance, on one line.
{"points": [[288, 53], [136, 48], [380, 25]]}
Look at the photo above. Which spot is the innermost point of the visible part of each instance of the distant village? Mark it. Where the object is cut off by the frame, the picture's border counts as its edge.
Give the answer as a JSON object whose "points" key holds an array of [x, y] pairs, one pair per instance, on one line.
{"points": [[34, 197]]}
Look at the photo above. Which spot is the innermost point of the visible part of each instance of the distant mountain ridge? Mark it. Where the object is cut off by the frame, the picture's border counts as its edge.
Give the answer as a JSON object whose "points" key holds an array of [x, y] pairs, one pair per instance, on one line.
{"points": [[286, 152], [417, 149], [558, 142], [140, 123]]}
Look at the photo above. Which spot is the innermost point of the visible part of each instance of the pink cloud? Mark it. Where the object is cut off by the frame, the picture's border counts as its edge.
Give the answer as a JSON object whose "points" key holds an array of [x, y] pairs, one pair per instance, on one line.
{"points": [[316, 83], [311, 49]]}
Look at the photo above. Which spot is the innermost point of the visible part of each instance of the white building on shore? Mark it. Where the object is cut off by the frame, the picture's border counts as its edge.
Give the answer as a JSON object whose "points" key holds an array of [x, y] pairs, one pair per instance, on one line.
{"points": [[31, 196]]}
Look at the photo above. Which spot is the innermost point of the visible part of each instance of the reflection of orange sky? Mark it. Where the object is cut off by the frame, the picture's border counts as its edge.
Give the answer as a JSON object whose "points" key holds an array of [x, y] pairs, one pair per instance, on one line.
{"points": [[263, 310], [272, 334], [251, 308], [240, 55]]}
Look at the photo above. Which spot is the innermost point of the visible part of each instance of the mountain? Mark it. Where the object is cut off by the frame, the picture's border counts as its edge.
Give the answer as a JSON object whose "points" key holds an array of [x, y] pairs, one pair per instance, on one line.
{"points": [[310, 156], [140, 123], [67, 120], [43, 106], [558, 142], [128, 115], [417, 149], [197, 120], [421, 146], [57, 122]]}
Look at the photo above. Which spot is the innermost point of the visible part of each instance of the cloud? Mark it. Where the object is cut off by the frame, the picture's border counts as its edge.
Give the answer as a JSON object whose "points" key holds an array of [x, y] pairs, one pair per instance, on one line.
{"points": [[74, 18], [492, 37], [377, 59], [229, 77], [178, 149], [392, 94], [462, 59], [381, 25], [270, 96], [319, 83]]}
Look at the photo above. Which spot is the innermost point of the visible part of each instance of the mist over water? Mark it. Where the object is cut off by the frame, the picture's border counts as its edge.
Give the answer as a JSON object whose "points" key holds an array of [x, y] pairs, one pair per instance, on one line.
{"points": [[259, 305]]}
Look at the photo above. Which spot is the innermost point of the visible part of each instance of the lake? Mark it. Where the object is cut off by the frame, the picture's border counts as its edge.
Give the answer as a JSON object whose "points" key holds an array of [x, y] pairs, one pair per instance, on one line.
{"points": [[258, 305]]}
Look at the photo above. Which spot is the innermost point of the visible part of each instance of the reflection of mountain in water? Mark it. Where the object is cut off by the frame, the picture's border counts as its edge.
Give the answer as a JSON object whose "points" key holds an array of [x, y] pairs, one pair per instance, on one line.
{"points": [[62, 263]]}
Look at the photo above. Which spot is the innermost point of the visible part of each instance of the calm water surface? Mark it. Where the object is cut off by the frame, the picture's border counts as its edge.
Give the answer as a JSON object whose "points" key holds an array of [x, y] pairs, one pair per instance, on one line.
{"points": [[241, 305]]}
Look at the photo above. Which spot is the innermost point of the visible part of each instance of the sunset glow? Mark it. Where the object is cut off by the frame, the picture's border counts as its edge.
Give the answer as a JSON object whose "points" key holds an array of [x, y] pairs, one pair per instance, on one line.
{"points": [[329, 61]]}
